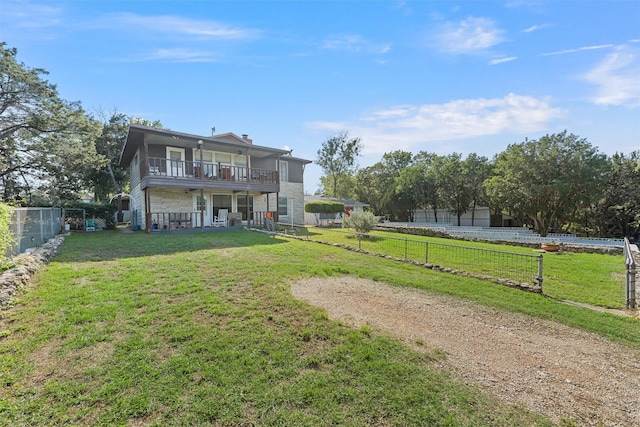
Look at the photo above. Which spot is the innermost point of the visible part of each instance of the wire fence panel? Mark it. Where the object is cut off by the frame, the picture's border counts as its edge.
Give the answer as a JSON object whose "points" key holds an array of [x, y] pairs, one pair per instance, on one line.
{"points": [[31, 227], [518, 269]]}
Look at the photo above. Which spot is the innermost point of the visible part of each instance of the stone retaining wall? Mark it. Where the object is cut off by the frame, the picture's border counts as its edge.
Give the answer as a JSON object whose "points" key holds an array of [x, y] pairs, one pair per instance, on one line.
{"points": [[27, 264]]}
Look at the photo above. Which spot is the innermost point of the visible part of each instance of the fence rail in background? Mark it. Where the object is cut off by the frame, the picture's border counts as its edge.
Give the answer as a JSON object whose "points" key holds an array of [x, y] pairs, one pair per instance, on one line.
{"points": [[31, 227], [524, 270]]}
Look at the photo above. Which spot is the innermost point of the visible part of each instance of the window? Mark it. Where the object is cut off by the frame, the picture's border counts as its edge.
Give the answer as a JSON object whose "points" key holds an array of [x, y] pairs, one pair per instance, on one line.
{"points": [[201, 203], [242, 205], [221, 201], [284, 171], [282, 206]]}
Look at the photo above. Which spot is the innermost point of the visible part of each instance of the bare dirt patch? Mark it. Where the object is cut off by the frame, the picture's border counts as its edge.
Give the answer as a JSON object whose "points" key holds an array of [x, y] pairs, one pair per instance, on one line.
{"points": [[552, 369]]}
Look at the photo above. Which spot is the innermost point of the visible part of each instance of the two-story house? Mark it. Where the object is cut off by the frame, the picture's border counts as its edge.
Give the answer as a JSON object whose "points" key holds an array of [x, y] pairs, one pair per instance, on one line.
{"points": [[180, 180]]}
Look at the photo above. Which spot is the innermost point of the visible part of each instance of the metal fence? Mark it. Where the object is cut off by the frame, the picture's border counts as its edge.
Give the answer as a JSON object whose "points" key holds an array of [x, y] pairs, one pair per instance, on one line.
{"points": [[518, 268], [632, 270], [31, 227], [510, 234]]}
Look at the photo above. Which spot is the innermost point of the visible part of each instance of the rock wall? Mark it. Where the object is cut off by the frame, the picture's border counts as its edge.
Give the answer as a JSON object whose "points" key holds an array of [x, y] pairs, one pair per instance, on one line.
{"points": [[27, 264]]}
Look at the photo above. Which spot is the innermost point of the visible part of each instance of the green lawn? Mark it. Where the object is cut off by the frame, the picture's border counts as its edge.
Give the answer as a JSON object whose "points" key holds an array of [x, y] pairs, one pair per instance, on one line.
{"points": [[193, 329], [588, 278]]}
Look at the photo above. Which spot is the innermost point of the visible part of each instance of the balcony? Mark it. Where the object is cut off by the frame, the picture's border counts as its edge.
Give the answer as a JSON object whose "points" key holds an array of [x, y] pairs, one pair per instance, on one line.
{"points": [[190, 174]]}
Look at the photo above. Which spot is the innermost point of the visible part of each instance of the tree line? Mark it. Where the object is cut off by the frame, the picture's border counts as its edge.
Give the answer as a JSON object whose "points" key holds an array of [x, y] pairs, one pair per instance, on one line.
{"points": [[53, 151], [558, 182]]}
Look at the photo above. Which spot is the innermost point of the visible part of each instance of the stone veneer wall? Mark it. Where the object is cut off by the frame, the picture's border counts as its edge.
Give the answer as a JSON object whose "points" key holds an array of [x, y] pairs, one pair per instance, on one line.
{"points": [[27, 263]]}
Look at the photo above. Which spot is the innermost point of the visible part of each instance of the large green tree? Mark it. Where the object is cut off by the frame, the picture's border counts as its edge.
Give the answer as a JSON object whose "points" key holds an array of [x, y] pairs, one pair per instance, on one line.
{"points": [[338, 157], [45, 141], [617, 214], [546, 180], [477, 170], [368, 188], [397, 200], [454, 186], [344, 186], [412, 187], [111, 179]]}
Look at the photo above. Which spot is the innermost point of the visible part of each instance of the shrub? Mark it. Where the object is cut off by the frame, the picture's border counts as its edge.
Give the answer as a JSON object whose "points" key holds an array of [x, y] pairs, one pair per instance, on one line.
{"points": [[6, 238], [324, 207], [362, 222]]}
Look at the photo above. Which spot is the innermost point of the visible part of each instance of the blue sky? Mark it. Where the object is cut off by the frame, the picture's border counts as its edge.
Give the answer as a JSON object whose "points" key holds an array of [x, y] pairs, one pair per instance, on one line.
{"points": [[444, 77]]}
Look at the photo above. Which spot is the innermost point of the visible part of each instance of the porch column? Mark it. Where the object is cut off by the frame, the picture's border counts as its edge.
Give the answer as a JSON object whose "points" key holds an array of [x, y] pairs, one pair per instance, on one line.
{"points": [[267, 204], [145, 146], [201, 187], [147, 210], [248, 211]]}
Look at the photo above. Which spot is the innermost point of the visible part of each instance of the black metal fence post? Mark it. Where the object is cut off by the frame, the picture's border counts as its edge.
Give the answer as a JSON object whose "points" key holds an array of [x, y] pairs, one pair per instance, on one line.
{"points": [[426, 252], [539, 277]]}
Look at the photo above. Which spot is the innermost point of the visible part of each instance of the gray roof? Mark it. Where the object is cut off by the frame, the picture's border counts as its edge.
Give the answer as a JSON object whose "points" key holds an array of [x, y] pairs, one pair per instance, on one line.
{"points": [[226, 142]]}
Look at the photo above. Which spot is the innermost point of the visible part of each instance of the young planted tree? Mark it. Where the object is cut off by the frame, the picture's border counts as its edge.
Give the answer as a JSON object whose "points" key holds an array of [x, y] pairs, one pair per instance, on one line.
{"points": [[362, 222], [338, 157]]}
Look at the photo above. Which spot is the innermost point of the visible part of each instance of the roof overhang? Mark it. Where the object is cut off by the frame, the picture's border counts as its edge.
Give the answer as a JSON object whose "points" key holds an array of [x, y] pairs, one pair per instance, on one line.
{"points": [[227, 142]]}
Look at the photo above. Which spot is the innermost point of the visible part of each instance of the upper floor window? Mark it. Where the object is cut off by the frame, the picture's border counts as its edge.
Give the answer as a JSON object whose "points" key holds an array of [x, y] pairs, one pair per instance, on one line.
{"points": [[284, 171]]}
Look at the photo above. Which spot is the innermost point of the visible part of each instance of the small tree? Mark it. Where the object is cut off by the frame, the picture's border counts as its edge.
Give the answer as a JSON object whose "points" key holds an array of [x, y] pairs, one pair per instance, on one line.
{"points": [[362, 222]]}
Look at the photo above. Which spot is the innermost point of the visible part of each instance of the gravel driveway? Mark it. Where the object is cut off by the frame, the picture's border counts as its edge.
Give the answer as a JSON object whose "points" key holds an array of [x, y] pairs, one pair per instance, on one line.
{"points": [[550, 368]]}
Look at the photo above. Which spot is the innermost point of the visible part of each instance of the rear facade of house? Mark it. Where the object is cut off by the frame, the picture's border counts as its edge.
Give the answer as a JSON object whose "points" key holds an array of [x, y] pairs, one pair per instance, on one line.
{"points": [[182, 181]]}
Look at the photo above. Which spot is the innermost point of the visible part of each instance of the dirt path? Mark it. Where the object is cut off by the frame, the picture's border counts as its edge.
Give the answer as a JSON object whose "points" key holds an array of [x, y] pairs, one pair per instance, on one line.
{"points": [[550, 368]]}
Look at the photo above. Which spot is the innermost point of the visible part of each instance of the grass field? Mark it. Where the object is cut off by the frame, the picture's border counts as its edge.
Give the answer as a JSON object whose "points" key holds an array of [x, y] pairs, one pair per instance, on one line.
{"points": [[200, 329], [582, 277]]}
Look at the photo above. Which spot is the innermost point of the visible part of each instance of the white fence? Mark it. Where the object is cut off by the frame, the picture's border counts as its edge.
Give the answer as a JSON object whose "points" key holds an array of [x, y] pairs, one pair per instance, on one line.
{"points": [[31, 227], [512, 234]]}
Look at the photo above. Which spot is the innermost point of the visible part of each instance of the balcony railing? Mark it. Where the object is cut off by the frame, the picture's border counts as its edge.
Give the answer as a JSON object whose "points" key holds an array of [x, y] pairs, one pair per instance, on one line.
{"points": [[167, 221], [210, 171]]}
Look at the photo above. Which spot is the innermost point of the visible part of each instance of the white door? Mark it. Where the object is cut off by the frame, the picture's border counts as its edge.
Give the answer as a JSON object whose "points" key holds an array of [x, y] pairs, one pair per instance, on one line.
{"points": [[201, 204], [175, 161]]}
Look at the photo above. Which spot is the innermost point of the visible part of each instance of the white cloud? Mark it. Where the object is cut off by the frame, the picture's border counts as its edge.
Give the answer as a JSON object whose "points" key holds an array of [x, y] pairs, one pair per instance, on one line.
{"points": [[407, 127], [617, 78], [580, 49], [533, 28], [470, 36], [178, 55], [168, 24], [354, 43], [503, 60], [28, 15]]}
